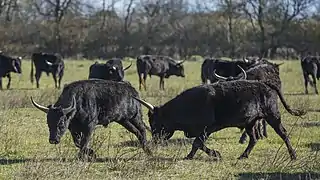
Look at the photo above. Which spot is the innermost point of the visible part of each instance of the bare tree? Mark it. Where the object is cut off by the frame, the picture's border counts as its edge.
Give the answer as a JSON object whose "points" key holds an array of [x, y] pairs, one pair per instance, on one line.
{"points": [[275, 13], [54, 9]]}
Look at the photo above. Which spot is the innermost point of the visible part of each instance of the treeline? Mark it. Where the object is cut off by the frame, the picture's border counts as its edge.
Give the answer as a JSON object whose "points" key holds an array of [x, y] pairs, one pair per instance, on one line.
{"points": [[178, 28]]}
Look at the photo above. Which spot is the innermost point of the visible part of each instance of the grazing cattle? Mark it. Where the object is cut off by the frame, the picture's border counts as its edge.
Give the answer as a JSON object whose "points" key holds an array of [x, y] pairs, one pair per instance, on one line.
{"points": [[85, 104], [161, 66], [310, 66], [111, 70], [7, 65], [223, 67], [49, 63], [208, 108], [266, 72]]}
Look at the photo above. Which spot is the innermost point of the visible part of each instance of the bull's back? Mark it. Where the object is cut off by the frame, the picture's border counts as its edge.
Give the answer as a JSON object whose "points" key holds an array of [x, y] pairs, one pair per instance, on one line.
{"points": [[108, 99]]}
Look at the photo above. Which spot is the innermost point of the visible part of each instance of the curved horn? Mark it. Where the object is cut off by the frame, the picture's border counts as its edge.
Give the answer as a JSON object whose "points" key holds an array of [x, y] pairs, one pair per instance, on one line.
{"points": [[49, 63], [245, 59], [128, 66], [71, 107], [40, 107], [181, 62], [146, 104], [218, 76], [280, 64], [244, 76]]}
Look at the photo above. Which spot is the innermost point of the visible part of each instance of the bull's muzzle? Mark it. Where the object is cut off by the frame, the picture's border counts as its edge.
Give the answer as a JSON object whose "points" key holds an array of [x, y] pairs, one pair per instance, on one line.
{"points": [[54, 141]]}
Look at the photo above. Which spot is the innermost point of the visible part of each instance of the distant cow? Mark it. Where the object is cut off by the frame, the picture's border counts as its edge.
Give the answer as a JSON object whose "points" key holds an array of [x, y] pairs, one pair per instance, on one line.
{"points": [[161, 66], [111, 70], [222, 67], [310, 66], [208, 108], [7, 65], [49, 63], [85, 104], [266, 72]]}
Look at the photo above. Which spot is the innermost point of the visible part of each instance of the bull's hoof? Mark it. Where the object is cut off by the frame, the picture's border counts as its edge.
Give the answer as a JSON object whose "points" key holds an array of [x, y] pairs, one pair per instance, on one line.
{"points": [[242, 141], [243, 157], [187, 158], [216, 155], [293, 157], [87, 155], [148, 151]]}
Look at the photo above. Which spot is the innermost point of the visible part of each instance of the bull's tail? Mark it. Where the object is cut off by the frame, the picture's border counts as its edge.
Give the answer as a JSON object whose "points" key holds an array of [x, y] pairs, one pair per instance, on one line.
{"points": [[294, 112], [31, 73]]}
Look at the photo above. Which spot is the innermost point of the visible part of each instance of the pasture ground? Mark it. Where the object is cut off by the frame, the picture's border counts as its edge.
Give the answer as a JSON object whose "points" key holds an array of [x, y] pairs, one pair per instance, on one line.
{"points": [[25, 152]]}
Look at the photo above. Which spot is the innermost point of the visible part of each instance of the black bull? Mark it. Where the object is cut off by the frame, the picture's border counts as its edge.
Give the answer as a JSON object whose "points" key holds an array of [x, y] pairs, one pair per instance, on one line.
{"points": [[266, 72], [205, 109], [85, 104], [223, 67], [161, 66], [49, 63], [310, 66], [7, 65], [111, 70]]}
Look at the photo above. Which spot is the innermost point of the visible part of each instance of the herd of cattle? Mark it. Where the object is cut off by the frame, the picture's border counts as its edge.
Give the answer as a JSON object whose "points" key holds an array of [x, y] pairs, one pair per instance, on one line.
{"points": [[240, 93]]}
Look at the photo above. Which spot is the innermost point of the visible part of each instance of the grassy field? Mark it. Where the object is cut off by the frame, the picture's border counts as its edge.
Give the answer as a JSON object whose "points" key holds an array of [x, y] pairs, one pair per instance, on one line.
{"points": [[25, 152]]}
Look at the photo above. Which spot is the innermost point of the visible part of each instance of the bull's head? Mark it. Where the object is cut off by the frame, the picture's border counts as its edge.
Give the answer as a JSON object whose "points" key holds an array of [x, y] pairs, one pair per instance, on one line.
{"points": [[158, 129], [58, 119], [176, 69], [244, 76], [115, 73]]}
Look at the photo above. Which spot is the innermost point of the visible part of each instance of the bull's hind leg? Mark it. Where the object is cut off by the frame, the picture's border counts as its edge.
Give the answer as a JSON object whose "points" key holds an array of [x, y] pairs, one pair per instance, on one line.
{"points": [[243, 137], [144, 81], [1, 83], [314, 82], [306, 80], [250, 129], [264, 128], [161, 83], [276, 124], [55, 80], [60, 78], [252, 142], [59, 82], [140, 134], [140, 81], [37, 76]]}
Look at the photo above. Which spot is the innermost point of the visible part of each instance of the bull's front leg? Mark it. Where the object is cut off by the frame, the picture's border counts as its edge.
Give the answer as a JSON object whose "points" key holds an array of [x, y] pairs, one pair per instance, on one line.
{"points": [[76, 136], [85, 151], [161, 84], [198, 143], [9, 81]]}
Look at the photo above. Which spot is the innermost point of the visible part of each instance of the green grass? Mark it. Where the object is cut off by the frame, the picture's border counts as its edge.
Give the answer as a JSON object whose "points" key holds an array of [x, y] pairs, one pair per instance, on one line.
{"points": [[25, 152]]}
